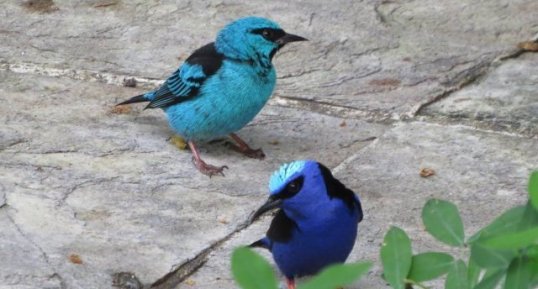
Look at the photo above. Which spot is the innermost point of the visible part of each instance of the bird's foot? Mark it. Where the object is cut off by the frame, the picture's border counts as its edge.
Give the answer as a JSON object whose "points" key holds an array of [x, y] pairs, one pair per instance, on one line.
{"points": [[249, 152], [245, 149], [178, 142], [207, 169]]}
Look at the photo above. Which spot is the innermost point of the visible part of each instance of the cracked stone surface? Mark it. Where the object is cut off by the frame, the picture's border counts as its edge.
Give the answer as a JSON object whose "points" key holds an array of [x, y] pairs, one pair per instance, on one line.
{"points": [[385, 58], [505, 100], [474, 169], [87, 190], [28, 265], [110, 188]]}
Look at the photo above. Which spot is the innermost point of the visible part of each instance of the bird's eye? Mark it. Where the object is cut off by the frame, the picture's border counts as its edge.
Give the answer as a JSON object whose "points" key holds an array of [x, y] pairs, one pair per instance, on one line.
{"points": [[267, 33], [294, 186]]}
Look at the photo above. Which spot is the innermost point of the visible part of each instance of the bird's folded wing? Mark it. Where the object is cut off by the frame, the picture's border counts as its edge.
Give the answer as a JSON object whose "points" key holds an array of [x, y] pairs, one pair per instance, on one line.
{"points": [[186, 81]]}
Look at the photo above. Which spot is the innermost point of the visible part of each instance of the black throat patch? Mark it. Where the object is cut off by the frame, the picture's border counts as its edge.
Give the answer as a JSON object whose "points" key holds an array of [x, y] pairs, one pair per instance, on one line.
{"points": [[281, 229]]}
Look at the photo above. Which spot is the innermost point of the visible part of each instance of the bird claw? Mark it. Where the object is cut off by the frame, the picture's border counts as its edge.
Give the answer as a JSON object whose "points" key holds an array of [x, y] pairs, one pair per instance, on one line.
{"points": [[207, 169], [254, 153], [251, 153]]}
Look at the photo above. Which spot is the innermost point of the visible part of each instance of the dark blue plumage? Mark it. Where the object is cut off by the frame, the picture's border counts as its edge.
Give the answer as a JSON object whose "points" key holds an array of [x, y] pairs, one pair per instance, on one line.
{"points": [[316, 225], [222, 85]]}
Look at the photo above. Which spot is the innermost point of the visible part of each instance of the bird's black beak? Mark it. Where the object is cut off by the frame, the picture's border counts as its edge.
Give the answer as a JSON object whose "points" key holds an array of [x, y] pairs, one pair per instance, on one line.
{"points": [[270, 204], [287, 38]]}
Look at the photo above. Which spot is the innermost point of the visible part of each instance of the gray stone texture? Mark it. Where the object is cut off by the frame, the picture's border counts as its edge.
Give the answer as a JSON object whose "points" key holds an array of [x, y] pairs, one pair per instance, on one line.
{"points": [[506, 99], [381, 90]]}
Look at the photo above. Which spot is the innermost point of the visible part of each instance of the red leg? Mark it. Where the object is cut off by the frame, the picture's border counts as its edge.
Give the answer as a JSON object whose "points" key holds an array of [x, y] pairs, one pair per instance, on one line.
{"points": [[204, 168], [245, 149], [290, 283]]}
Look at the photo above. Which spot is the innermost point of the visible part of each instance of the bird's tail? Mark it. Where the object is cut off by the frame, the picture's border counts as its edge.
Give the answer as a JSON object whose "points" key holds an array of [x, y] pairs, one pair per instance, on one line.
{"points": [[135, 99]]}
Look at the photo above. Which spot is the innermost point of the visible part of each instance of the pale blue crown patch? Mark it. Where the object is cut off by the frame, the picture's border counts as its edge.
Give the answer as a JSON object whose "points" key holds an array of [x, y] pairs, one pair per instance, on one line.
{"points": [[284, 174]]}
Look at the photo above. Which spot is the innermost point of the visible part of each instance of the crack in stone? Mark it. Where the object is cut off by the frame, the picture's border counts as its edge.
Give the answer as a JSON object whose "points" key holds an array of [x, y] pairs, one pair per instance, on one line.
{"points": [[73, 188], [43, 253], [13, 143], [350, 144], [331, 109], [60, 279], [40, 249], [183, 271], [478, 125], [85, 75], [467, 77]]}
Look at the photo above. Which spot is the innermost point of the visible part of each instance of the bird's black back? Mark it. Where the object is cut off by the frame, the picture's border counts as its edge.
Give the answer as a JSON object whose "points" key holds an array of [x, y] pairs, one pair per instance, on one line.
{"points": [[208, 57], [335, 189]]}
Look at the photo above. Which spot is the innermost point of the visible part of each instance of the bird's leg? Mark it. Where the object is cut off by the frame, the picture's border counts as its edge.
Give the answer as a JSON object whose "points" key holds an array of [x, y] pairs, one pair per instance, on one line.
{"points": [[290, 282], [245, 149], [204, 168]]}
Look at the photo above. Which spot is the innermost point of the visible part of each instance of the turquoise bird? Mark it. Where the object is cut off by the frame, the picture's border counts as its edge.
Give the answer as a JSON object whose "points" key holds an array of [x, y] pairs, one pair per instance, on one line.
{"points": [[316, 225], [222, 86]]}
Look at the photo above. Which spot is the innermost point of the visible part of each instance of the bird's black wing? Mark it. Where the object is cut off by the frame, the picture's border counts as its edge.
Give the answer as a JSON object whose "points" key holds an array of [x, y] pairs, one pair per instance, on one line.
{"points": [[335, 189], [281, 230], [185, 82]]}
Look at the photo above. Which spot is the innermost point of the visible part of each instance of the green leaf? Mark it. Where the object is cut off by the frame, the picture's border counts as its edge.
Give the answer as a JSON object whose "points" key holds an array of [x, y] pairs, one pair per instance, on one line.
{"points": [[443, 221], [507, 222], [532, 252], [396, 257], [518, 275], [491, 258], [530, 218], [251, 271], [457, 276], [490, 279], [337, 276], [473, 272], [516, 240], [533, 189], [533, 265], [430, 265]]}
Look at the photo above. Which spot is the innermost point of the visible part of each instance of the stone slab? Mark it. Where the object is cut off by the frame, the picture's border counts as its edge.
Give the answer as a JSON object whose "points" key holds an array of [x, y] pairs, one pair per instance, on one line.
{"points": [[95, 191], [383, 57], [482, 173], [504, 100]]}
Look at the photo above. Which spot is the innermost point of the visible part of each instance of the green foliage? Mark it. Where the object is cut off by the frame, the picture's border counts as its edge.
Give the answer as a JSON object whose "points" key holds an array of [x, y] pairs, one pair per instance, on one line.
{"points": [[457, 276], [491, 279], [428, 266], [443, 221], [506, 249], [251, 271], [533, 189], [518, 275], [337, 276], [396, 257], [516, 240]]}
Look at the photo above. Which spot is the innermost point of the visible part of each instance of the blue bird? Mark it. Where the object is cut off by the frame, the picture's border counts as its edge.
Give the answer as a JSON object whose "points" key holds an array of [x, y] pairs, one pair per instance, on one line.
{"points": [[316, 225], [222, 86]]}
